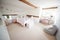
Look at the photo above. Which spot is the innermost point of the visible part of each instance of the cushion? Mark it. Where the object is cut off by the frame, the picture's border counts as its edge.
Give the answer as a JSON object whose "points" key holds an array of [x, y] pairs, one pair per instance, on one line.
{"points": [[51, 30]]}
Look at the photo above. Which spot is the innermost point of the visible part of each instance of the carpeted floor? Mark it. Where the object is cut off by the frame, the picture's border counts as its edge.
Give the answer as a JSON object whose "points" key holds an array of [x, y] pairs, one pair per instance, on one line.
{"points": [[36, 32]]}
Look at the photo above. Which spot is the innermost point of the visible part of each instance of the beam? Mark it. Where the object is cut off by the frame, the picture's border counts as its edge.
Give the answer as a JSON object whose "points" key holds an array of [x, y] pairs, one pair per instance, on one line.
{"points": [[28, 3], [9, 14], [49, 8]]}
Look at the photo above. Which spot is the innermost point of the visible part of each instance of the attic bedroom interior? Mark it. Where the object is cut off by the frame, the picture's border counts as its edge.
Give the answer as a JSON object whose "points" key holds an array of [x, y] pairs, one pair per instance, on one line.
{"points": [[29, 19]]}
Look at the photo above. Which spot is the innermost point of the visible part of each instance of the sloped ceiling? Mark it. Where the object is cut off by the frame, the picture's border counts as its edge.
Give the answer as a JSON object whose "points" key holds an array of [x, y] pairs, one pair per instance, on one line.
{"points": [[22, 7], [38, 3], [44, 3], [16, 3], [11, 6]]}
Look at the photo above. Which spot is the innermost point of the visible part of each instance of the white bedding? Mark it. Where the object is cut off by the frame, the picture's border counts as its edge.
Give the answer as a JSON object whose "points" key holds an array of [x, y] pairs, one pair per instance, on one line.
{"points": [[23, 21]]}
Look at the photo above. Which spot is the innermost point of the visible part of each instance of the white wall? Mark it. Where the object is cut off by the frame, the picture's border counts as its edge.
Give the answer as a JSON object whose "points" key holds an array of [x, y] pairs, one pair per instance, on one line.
{"points": [[11, 9], [14, 6], [16, 10], [0, 9], [0, 12], [0, 17], [4, 33], [58, 24], [35, 11]]}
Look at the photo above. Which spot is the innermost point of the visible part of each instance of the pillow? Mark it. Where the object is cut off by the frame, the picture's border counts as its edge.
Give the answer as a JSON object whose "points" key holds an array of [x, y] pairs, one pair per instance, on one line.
{"points": [[36, 20], [44, 21], [8, 21]]}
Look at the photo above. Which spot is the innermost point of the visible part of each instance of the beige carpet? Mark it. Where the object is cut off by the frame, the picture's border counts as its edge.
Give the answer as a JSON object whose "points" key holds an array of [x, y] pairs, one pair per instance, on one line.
{"points": [[36, 32]]}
